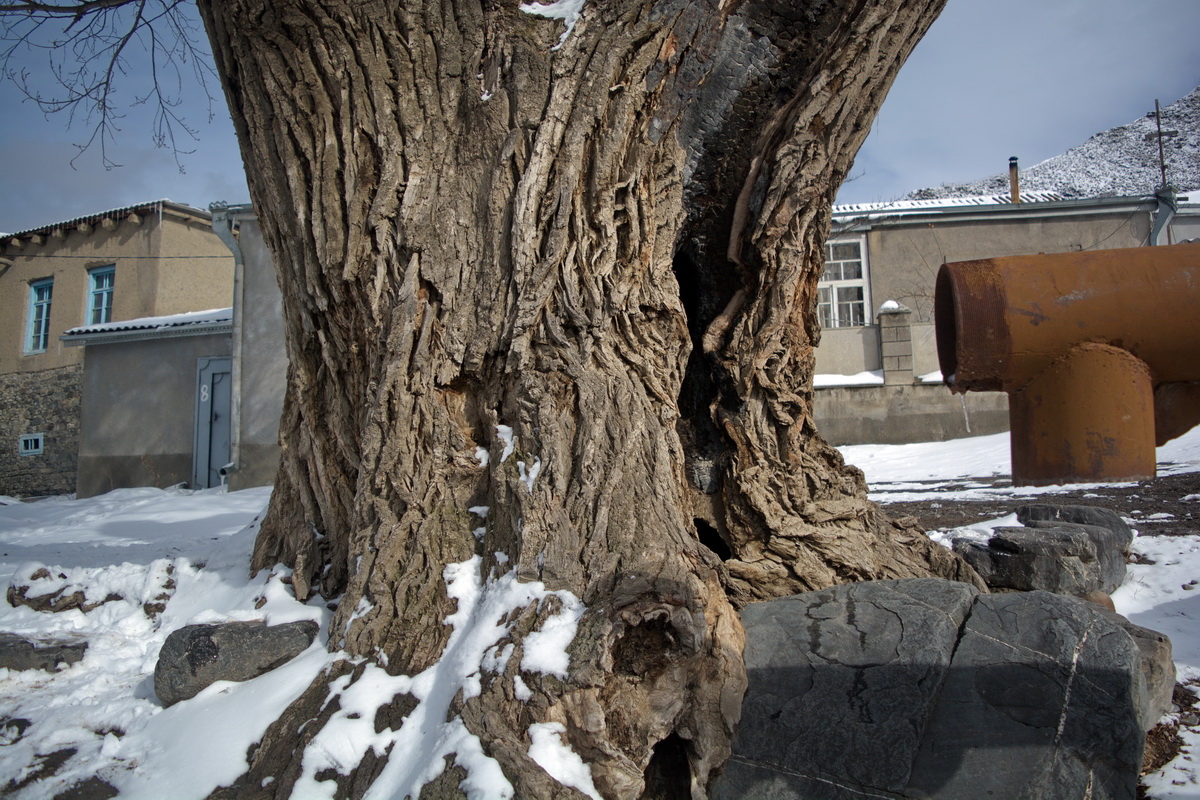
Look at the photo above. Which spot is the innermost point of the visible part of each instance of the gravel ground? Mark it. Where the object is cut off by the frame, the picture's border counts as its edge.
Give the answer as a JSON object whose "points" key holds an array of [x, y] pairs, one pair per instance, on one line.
{"points": [[1157, 507]]}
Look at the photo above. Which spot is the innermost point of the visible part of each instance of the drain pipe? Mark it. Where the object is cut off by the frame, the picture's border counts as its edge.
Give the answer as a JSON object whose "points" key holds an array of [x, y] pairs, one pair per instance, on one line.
{"points": [[222, 225], [1098, 351], [1167, 206]]}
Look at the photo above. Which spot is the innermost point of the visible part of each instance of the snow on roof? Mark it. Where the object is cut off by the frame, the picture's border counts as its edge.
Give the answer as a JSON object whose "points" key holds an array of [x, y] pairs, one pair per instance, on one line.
{"points": [[177, 324], [149, 207], [898, 206], [873, 377]]}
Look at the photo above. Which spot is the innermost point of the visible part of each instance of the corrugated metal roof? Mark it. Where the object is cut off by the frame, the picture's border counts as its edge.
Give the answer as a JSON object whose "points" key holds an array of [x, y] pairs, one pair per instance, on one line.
{"points": [[149, 207], [900, 206], [215, 320]]}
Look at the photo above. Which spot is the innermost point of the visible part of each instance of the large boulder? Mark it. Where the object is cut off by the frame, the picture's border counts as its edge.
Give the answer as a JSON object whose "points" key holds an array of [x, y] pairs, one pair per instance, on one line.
{"points": [[1158, 667], [1075, 550], [197, 656], [1078, 515], [1060, 560], [19, 653], [1110, 534], [927, 688]]}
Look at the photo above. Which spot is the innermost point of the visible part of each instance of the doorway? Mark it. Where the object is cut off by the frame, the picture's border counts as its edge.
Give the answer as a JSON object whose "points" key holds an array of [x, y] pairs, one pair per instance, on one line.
{"points": [[214, 405]]}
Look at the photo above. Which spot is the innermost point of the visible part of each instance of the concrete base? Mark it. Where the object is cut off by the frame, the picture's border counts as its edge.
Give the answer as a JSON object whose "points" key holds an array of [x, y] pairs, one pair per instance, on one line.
{"points": [[100, 474], [904, 414], [258, 464]]}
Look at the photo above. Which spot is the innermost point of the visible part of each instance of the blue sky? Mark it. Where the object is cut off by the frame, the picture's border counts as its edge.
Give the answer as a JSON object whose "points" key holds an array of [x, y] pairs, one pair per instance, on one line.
{"points": [[993, 79]]}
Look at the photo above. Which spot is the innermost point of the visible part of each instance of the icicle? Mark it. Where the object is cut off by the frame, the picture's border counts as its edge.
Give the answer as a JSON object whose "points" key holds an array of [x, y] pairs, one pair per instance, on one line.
{"points": [[966, 416]]}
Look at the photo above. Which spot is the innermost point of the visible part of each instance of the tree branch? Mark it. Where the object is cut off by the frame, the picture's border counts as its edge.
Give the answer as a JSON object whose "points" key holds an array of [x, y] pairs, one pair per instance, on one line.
{"points": [[90, 48]]}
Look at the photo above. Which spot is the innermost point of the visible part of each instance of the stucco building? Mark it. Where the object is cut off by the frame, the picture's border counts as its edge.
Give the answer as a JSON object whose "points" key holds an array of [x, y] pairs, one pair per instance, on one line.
{"points": [[150, 259]]}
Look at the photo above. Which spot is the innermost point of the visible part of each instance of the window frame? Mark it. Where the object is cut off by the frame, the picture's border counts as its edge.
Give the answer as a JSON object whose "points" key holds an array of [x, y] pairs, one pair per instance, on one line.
{"points": [[105, 293], [37, 326], [31, 444], [836, 285]]}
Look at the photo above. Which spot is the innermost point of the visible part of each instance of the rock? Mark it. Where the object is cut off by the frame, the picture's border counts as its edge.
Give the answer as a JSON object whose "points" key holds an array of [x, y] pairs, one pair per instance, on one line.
{"points": [[12, 730], [1111, 549], [1061, 560], [1079, 515], [197, 656], [17, 653], [1158, 667], [927, 688], [31, 595], [93, 788], [1102, 599]]}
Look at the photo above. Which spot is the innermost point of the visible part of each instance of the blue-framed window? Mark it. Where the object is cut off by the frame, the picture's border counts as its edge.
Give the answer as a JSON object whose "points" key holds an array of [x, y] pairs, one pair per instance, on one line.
{"points": [[37, 329], [100, 296]]}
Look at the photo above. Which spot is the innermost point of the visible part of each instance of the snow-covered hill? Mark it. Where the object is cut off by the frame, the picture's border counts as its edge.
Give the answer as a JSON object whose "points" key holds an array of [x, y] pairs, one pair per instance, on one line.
{"points": [[1120, 161]]}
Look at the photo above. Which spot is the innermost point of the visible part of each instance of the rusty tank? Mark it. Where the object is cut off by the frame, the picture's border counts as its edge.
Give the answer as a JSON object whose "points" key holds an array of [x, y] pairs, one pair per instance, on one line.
{"points": [[1099, 352]]}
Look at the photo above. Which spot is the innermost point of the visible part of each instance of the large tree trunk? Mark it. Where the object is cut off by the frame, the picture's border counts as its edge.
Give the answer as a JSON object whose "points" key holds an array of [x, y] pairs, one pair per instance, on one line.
{"points": [[609, 243]]}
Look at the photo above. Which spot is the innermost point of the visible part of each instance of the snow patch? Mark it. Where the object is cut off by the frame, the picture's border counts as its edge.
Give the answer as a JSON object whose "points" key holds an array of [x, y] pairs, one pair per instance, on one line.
{"points": [[568, 11], [872, 377], [505, 433], [552, 754], [530, 474], [428, 735]]}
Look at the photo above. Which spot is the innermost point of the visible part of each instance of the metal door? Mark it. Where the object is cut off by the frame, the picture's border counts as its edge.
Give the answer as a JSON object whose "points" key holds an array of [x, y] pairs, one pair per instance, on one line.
{"points": [[214, 403]]}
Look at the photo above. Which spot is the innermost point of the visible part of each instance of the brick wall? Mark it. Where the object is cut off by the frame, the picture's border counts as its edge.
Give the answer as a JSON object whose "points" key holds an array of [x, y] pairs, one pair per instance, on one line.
{"points": [[44, 402]]}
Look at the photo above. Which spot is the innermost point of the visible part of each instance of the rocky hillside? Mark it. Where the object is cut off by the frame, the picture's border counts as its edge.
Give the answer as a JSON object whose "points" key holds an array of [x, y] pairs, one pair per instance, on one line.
{"points": [[1116, 162]]}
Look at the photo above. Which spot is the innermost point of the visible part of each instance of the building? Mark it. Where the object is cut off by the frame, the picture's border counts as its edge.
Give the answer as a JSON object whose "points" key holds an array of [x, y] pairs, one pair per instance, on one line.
{"points": [[156, 401], [877, 369], [259, 353], [151, 259]]}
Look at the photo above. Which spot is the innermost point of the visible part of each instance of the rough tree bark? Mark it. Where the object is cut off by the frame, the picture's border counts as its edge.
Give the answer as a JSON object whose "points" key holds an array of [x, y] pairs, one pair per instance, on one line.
{"points": [[609, 243]]}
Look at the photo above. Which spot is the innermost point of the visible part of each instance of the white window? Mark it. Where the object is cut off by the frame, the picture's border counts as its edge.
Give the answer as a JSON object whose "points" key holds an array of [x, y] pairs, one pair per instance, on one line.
{"points": [[32, 444], [100, 298], [37, 329], [842, 293]]}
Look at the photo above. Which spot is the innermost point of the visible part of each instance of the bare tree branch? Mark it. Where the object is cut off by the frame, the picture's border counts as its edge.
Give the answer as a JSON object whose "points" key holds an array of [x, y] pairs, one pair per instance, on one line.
{"points": [[92, 48]]}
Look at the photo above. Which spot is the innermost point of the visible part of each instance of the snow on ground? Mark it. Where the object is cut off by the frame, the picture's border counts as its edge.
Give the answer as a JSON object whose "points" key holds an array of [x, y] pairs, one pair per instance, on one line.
{"points": [[142, 544], [189, 552]]}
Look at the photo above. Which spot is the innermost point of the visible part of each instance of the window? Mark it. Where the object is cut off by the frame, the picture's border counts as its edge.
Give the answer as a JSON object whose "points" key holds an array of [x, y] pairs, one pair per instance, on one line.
{"points": [[37, 333], [32, 444], [842, 300], [100, 303]]}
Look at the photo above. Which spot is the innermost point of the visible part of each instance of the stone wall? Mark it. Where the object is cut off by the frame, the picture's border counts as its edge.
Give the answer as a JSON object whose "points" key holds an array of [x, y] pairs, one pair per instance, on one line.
{"points": [[44, 402], [903, 414]]}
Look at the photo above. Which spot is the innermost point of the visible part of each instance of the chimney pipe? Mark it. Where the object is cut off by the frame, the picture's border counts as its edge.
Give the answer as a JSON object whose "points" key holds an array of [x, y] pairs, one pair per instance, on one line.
{"points": [[1014, 179]]}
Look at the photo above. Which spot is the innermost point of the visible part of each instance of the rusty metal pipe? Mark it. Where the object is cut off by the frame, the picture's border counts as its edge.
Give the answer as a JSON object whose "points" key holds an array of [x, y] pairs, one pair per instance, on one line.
{"points": [[1026, 325]]}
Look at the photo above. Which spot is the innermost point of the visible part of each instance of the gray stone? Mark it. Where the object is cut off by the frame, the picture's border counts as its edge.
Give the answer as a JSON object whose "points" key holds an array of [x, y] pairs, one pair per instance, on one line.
{"points": [[197, 656], [1111, 549], [926, 688], [1078, 515], [18, 653], [1061, 560], [1043, 699], [45, 401], [1158, 668]]}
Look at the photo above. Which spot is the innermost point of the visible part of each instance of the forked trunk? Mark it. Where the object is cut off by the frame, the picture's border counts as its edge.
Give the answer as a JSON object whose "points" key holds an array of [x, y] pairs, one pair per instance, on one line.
{"points": [[606, 238]]}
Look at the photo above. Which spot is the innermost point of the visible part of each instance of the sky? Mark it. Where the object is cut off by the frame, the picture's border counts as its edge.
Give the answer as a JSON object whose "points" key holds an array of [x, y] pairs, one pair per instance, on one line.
{"points": [[1029, 78]]}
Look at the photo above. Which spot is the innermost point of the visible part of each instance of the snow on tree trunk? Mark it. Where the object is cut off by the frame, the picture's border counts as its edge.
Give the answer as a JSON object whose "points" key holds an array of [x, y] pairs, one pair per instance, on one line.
{"points": [[549, 289]]}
